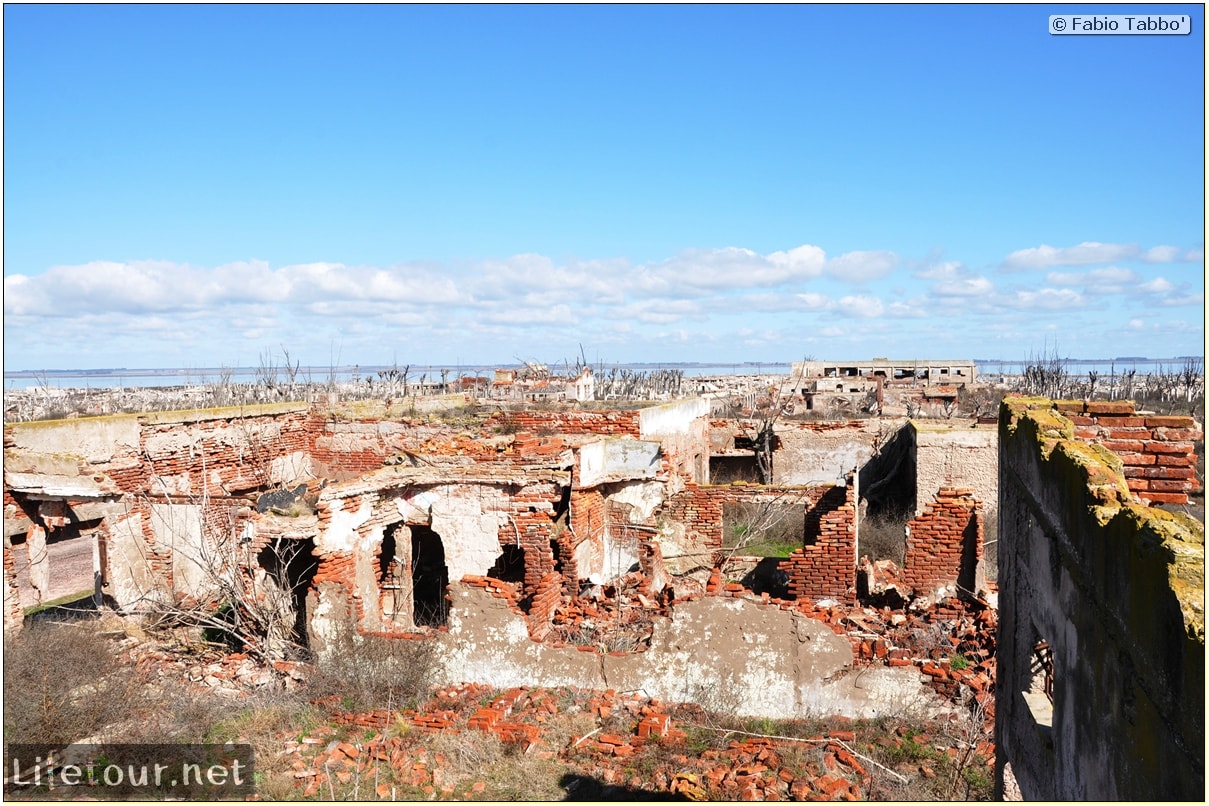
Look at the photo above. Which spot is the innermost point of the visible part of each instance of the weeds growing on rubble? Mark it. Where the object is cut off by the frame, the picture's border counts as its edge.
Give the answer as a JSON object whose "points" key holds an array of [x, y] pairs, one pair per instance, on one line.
{"points": [[583, 743]]}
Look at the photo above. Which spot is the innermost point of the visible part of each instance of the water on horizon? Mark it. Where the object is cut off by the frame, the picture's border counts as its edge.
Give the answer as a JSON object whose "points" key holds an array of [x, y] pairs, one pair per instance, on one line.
{"points": [[178, 376]]}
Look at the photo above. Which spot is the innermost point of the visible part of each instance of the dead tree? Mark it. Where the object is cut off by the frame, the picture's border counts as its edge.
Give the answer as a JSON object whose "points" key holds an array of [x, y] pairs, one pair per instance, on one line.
{"points": [[1190, 376], [1046, 376]]}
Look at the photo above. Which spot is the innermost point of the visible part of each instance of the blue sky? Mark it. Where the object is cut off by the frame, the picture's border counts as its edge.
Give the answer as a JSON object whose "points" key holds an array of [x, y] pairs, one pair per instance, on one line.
{"points": [[192, 186]]}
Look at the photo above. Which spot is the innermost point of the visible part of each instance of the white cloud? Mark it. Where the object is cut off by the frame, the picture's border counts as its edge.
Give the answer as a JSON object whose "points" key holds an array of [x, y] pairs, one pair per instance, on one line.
{"points": [[1159, 285], [861, 267], [531, 317], [949, 270], [861, 306], [1111, 280], [963, 287], [1047, 299], [1184, 299], [698, 270], [1161, 254], [1111, 276], [107, 312], [805, 261], [913, 309], [813, 302], [1088, 252]]}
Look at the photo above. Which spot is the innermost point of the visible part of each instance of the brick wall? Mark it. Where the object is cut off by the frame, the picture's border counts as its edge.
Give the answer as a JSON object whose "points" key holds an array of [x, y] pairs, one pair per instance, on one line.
{"points": [[14, 616], [1159, 452], [531, 524], [587, 525], [546, 599], [824, 568], [598, 423], [944, 543]]}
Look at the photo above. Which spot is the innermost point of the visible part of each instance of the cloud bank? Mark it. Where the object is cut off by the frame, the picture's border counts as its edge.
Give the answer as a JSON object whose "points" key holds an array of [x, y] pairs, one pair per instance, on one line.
{"points": [[700, 304]]}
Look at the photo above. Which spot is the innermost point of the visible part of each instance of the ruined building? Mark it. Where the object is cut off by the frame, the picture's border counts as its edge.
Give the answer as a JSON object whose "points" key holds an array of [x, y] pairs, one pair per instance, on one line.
{"points": [[600, 549]]}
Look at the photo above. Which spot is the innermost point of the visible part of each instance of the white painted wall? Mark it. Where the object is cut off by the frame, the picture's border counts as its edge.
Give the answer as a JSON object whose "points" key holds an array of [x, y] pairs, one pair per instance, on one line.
{"points": [[671, 418], [617, 460]]}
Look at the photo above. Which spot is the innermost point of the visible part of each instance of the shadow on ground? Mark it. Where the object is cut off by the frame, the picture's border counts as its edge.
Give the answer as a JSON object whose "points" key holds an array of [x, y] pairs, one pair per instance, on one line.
{"points": [[84, 607], [585, 787]]}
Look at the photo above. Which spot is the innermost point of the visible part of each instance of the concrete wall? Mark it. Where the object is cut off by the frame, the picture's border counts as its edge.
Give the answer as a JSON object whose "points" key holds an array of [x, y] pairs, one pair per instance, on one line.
{"points": [[825, 452], [616, 460], [724, 651], [1115, 590], [948, 454]]}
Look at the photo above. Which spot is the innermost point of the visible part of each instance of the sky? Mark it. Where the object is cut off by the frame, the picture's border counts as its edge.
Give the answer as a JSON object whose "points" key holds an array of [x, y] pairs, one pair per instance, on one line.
{"points": [[195, 186]]}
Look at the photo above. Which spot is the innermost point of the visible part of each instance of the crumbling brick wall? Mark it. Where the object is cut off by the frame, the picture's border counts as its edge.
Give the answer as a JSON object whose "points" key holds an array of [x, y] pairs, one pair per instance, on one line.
{"points": [[588, 520], [944, 544], [13, 614], [1100, 693], [823, 568], [598, 423], [546, 599], [479, 515], [1159, 452], [225, 453]]}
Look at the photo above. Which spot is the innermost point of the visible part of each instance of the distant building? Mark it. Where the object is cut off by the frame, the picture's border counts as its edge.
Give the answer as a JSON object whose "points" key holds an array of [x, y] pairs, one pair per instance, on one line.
{"points": [[911, 372]]}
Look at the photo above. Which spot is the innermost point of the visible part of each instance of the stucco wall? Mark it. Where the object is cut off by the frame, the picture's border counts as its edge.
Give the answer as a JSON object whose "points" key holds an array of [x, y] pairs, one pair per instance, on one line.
{"points": [[825, 452], [956, 455]]}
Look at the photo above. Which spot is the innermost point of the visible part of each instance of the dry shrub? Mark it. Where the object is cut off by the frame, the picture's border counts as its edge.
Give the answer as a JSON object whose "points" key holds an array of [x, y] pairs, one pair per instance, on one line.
{"points": [[375, 673], [63, 684], [884, 536]]}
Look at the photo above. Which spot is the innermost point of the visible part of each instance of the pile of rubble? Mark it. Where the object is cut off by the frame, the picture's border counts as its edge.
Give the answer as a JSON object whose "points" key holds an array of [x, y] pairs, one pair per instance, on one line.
{"points": [[640, 745], [209, 670]]}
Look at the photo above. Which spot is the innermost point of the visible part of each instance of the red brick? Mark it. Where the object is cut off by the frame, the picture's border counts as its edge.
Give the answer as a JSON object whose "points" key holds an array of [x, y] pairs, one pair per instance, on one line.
{"points": [[1177, 434], [1118, 446], [1166, 498], [1124, 422], [1110, 407], [1125, 433], [1168, 447], [1169, 486], [1176, 421], [1137, 459]]}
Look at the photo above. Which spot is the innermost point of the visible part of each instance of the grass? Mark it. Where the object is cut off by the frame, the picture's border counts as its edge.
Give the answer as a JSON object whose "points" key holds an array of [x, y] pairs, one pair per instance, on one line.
{"points": [[771, 548], [70, 598]]}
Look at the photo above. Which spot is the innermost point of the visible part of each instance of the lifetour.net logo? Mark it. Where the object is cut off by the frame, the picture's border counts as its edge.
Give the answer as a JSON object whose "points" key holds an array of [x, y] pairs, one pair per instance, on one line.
{"points": [[125, 771]]}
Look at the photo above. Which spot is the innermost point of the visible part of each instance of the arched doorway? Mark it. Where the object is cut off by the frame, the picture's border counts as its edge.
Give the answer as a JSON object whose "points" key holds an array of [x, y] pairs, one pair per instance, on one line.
{"points": [[430, 578]]}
